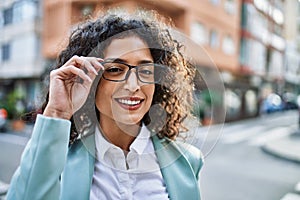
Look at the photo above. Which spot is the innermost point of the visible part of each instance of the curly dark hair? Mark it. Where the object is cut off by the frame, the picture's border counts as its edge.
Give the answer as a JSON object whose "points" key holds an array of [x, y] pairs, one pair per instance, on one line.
{"points": [[172, 98]]}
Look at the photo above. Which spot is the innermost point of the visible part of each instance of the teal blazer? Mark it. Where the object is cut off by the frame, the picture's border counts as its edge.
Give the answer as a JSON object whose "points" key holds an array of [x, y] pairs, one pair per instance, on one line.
{"points": [[51, 170]]}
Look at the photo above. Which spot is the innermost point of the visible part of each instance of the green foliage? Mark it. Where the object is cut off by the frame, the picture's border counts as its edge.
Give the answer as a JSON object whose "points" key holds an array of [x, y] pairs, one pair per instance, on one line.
{"points": [[205, 101], [13, 103]]}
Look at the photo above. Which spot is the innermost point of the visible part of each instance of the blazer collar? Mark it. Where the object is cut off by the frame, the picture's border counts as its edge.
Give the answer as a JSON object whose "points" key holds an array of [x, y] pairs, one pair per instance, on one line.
{"points": [[77, 177], [178, 174]]}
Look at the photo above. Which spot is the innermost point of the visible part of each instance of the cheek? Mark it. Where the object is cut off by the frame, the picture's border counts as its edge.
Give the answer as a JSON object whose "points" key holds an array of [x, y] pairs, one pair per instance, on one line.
{"points": [[98, 98], [149, 91], [103, 95]]}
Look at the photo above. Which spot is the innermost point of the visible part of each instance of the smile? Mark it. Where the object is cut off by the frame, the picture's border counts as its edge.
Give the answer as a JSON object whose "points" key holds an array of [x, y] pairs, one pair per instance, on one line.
{"points": [[130, 103]]}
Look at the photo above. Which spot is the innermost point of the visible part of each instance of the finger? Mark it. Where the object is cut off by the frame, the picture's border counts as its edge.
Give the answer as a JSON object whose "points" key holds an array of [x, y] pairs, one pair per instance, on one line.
{"points": [[91, 64], [71, 61], [78, 61], [81, 62], [84, 62], [96, 62], [76, 71]]}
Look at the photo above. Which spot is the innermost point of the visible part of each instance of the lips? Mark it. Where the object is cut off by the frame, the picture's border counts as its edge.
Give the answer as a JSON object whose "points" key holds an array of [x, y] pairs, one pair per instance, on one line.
{"points": [[130, 103]]}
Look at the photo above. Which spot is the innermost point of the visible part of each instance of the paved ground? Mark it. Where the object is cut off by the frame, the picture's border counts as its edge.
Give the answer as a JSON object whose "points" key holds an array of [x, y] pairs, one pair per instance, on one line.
{"points": [[287, 148]]}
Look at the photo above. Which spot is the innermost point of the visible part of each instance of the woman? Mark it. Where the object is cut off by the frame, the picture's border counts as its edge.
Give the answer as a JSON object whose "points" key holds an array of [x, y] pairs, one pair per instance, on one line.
{"points": [[116, 103]]}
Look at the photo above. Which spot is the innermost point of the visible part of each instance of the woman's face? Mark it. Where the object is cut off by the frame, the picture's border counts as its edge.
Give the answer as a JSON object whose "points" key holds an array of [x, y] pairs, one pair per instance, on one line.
{"points": [[127, 101]]}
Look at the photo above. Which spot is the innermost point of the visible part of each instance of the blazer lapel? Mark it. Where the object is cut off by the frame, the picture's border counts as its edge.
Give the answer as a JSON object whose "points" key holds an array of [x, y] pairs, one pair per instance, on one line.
{"points": [[79, 169], [177, 172]]}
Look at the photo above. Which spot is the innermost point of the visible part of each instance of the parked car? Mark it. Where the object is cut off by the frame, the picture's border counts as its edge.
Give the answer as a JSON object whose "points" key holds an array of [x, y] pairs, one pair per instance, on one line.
{"points": [[3, 120], [290, 101], [272, 103]]}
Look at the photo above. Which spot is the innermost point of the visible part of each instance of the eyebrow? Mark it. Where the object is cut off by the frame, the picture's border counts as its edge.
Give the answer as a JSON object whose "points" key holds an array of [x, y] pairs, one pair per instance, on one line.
{"points": [[124, 61]]}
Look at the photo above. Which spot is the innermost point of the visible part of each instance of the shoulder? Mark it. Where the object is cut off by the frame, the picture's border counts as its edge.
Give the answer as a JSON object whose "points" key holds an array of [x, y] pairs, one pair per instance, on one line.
{"points": [[167, 148], [193, 155]]}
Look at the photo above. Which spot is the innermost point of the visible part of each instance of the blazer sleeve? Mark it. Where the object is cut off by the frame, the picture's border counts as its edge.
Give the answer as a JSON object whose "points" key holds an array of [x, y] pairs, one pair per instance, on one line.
{"points": [[42, 161]]}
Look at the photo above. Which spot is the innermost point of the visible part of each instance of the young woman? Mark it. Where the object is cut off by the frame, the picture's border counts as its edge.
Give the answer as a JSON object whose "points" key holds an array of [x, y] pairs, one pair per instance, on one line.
{"points": [[116, 103]]}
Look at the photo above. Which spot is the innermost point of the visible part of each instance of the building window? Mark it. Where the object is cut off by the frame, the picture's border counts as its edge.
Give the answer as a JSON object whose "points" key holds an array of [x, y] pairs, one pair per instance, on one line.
{"points": [[7, 16], [1, 18], [277, 29], [213, 39], [198, 33], [5, 50], [276, 63], [228, 45], [17, 12], [24, 10], [87, 10], [214, 2], [230, 6]]}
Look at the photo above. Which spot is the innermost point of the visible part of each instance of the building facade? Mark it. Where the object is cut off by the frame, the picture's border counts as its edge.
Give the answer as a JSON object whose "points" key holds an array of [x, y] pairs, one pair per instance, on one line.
{"points": [[244, 43], [263, 46], [20, 53], [253, 45], [292, 53], [218, 35]]}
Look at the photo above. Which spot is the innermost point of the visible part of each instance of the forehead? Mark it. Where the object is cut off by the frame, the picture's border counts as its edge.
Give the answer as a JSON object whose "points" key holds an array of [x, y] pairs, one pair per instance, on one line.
{"points": [[126, 47]]}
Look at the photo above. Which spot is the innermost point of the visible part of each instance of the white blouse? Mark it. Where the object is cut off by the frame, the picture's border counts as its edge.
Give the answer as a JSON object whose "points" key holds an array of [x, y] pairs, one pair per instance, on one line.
{"points": [[136, 175]]}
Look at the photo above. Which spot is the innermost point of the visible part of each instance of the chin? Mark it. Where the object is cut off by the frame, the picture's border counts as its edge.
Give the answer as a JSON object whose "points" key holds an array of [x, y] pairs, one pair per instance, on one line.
{"points": [[130, 121]]}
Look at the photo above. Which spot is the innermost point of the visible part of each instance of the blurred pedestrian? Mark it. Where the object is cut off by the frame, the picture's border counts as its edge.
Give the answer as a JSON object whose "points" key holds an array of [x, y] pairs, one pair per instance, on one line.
{"points": [[298, 104], [116, 104], [3, 119]]}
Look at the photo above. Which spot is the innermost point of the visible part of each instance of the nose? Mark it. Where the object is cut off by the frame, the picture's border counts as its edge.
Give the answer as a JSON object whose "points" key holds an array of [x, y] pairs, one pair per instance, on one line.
{"points": [[132, 82]]}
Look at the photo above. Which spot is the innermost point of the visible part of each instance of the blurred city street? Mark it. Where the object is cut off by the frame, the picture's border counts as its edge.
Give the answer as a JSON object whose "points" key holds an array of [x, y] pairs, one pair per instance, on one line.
{"points": [[12, 145], [236, 168], [247, 59]]}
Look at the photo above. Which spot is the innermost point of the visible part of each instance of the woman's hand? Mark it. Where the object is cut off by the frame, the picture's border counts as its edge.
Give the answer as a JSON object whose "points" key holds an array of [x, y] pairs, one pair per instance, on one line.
{"points": [[70, 85]]}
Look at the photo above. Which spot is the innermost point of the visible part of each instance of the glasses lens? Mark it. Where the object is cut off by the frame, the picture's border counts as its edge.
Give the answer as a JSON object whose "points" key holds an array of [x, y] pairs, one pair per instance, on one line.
{"points": [[161, 72], [114, 71], [146, 73]]}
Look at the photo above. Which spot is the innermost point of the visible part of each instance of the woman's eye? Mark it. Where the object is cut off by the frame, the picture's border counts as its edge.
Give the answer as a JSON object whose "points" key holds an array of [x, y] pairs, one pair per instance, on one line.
{"points": [[113, 70], [146, 72]]}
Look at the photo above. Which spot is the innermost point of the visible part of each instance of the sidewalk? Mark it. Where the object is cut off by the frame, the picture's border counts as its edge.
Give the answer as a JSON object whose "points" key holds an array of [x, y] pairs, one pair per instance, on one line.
{"points": [[287, 148], [25, 134]]}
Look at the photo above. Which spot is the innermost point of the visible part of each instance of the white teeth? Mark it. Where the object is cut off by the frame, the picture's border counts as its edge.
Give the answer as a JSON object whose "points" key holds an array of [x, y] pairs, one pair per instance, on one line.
{"points": [[128, 102]]}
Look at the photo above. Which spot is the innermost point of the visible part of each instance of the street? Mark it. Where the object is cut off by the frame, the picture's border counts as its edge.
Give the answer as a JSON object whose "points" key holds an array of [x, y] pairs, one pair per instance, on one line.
{"points": [[235, 166], [11, 148]]}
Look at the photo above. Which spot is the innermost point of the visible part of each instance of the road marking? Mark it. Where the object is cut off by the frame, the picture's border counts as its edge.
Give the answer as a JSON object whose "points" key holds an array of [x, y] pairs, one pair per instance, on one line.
{"points": [[216, 132], [242, 135], [297, 188], [291, 196], [3, 188], [273, 134]]}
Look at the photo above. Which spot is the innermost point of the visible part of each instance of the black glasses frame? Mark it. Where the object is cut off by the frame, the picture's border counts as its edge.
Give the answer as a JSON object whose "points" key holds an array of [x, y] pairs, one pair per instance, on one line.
{"points": [[136, 71]]}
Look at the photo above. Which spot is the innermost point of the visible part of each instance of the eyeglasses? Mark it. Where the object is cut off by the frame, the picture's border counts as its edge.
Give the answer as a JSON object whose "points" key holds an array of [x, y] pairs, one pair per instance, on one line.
{"points": [[146, 73]]}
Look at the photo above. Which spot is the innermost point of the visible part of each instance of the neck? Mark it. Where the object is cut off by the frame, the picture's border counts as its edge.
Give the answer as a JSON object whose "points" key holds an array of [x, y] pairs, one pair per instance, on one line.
{"points": [[121, 135]]}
